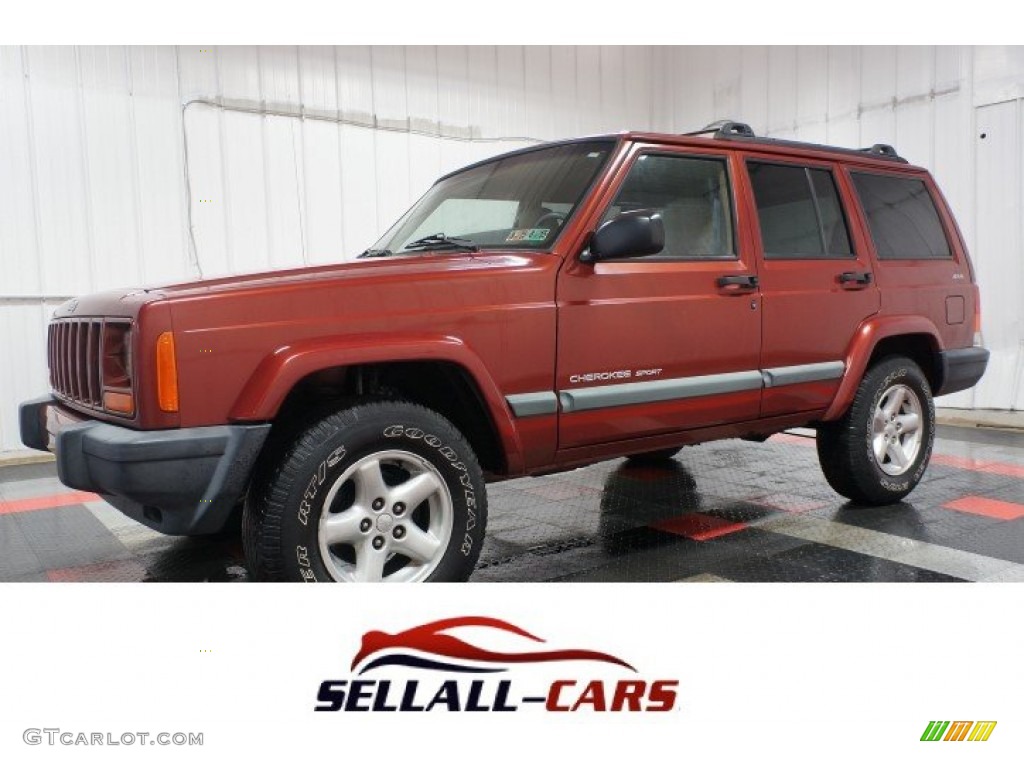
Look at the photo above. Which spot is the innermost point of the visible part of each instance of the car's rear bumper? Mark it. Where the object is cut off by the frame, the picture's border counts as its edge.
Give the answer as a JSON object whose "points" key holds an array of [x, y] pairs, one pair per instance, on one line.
{"points": [[961, 368], [177, 481]]}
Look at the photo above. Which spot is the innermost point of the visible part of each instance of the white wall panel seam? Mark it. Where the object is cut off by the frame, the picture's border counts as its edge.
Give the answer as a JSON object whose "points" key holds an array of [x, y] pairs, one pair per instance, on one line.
{"points": [[193, 248], [828, 88], [373, 142], [405, 87], [650, 88], [932, 110], [1017, 392], [224, 169], [340, 143], [83, 138], [33, 169], [268, 222], [972, 181], [301, 177], [136, 182], [300, 190]]}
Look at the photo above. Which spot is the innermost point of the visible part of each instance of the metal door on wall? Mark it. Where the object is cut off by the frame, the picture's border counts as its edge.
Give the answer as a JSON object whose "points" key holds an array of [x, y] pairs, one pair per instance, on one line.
{"points": [[997, 258]]}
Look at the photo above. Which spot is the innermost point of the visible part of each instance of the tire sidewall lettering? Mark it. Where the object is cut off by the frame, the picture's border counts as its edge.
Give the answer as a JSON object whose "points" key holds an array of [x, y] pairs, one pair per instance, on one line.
{"points": [[306, 556], [285, 505], [901, 483], [316, 482], [400, 431], [305, 566]]}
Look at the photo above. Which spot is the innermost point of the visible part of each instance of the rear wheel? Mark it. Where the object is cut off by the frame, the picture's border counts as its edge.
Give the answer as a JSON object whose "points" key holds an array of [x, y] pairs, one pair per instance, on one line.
{"points": [[877, 453], [377, 492]]}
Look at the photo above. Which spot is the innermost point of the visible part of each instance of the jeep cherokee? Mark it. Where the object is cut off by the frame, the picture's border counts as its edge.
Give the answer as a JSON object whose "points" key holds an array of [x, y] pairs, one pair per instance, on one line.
{"points": [[582, 300]]}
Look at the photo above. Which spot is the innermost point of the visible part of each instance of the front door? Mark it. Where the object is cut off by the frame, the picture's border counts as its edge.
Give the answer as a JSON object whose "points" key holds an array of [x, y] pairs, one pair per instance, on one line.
{"points": [[668, 342], [818, 283]]}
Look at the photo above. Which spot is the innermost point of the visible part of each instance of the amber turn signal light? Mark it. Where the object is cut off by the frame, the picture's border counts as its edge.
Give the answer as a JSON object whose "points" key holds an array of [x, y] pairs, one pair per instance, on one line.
{"points": [[119, 402], [166, 373]]}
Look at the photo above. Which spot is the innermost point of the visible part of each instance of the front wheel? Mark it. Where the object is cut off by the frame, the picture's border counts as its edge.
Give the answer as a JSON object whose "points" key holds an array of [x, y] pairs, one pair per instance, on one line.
{"points": [[877, 453], [379, 492]]}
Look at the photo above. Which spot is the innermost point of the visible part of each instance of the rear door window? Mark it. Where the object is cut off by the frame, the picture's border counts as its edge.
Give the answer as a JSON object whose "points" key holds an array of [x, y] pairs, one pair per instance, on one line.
{"points": [[799, 212], [833, 223], [902, 217]]}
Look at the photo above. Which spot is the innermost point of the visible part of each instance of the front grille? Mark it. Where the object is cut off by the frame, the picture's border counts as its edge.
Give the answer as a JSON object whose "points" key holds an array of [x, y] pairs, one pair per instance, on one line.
{"points": [[74, 357]]}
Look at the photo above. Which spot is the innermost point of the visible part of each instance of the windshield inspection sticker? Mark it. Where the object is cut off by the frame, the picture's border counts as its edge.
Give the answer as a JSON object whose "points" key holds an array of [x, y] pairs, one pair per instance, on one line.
{"points": [[527, 235]]}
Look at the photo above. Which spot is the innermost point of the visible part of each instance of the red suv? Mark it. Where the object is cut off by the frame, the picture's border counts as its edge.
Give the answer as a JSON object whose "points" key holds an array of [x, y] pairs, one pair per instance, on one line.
{"points": [[542, 310]]}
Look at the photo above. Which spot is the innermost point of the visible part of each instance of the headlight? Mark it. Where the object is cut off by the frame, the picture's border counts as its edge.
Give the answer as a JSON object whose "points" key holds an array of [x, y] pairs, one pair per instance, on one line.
{"points": [[117, 368], [117, 356]]}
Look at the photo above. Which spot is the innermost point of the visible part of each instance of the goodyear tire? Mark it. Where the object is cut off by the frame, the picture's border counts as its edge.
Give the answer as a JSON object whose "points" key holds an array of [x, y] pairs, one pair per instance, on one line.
{"points": [[385, 491], [877, 453]]}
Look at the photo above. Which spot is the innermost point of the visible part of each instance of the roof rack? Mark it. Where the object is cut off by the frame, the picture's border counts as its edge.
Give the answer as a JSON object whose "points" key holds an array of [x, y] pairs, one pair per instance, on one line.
{"points": [[733, 129], [885, 150], [724, 129]]}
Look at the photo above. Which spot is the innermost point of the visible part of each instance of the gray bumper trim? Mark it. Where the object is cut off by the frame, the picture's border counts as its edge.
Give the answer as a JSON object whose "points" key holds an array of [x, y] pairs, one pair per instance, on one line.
{"points": [[177, 481], [961, 369]]}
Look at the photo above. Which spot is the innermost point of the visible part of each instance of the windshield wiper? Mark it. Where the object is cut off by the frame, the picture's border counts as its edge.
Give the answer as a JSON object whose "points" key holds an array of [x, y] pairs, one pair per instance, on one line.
{"points": [[441, 240], [369, 253]]}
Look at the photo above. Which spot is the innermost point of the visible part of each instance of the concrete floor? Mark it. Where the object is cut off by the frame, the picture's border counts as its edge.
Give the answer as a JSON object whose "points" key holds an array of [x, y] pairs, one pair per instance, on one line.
{"points": [[729, 511]]}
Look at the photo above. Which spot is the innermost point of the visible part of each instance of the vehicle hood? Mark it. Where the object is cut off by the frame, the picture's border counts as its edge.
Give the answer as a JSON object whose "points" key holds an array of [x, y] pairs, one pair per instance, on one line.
{"points": [[128, 301]]}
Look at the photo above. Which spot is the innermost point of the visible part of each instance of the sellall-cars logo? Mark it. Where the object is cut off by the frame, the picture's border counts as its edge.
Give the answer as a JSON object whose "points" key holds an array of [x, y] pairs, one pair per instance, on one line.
{"points": [[430, 668]]}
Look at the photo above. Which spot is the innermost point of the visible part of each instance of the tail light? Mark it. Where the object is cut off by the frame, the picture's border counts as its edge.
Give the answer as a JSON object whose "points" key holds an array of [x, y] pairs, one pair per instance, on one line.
{"points": [[978, 342]]}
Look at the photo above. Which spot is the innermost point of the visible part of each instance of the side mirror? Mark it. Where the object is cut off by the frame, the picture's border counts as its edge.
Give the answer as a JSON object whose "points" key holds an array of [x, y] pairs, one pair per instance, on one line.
{"points": [[631, 234]]}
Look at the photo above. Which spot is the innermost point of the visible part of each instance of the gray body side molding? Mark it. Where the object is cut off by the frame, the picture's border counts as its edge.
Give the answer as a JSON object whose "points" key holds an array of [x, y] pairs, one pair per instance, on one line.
{"points": [[660, 390]]}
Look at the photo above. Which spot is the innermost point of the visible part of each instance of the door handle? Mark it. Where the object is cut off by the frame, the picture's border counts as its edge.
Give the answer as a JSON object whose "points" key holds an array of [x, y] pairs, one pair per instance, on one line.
{"points": [[855, 279], [742, 283]]}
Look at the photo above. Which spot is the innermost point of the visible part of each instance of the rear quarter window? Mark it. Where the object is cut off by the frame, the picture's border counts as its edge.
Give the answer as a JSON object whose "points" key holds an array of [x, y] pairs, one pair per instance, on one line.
{"points": [[902, 217]]}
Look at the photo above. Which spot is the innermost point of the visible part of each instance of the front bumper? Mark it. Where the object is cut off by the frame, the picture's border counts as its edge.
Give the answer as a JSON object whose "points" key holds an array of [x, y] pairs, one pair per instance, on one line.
{"points": [[176, 481], [961, 369]]}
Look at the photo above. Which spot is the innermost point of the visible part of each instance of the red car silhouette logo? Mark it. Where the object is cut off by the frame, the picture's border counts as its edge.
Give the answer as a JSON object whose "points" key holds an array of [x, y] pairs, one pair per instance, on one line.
{"points": [[402, 649]]}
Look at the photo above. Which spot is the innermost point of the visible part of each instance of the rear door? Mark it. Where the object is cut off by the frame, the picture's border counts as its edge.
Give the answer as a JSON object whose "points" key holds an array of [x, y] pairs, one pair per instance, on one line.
{"points": [[922, 268], [654, 345], [817, 280]]}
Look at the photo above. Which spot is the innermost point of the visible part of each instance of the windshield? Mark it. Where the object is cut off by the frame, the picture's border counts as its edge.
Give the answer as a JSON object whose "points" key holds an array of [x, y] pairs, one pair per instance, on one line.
{"points": [[522, 201]]}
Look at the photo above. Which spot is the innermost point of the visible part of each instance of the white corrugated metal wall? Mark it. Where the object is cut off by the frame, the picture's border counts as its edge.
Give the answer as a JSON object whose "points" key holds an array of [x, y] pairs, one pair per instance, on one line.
{"points": [[933, 103], [121, 165], [269, 156]]}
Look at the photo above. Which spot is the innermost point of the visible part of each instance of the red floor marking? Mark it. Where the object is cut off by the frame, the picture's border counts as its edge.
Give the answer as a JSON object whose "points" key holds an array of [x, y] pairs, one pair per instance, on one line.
{"points": [[117, 570], [698, 527], [943, 459], [46, 502], [977, 505], [979, 465], [782, 437]]}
